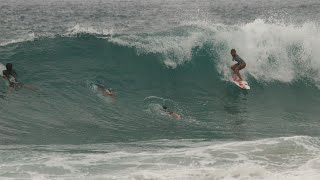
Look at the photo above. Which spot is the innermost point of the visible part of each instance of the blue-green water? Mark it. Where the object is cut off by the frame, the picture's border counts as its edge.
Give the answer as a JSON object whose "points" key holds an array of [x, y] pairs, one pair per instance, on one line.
{"points": [[154, 53]]}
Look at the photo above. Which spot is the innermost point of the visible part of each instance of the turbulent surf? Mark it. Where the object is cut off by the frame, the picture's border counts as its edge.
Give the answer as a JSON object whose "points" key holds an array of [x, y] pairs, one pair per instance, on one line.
{"points": [[153, 54]]}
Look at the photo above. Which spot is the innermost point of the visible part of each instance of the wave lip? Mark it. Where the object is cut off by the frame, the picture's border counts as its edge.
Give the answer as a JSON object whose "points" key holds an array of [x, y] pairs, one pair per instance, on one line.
{"points": [[28, 37], [78, 29]]}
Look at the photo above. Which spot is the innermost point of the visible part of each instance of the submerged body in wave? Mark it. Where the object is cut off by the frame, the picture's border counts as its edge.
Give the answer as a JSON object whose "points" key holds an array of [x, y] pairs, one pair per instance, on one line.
{"points": [[105, 91], [171, 113]]}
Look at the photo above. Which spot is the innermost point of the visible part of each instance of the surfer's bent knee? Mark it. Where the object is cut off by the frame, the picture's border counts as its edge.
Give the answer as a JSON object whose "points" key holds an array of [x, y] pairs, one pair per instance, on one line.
{"points": [[233, 67], [242, 66]]}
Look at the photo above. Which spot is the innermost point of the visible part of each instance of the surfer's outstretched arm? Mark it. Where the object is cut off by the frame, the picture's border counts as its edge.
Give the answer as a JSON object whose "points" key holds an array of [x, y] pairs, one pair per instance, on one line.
{"points": [[176, 116], [30, 87], [10, 90]]}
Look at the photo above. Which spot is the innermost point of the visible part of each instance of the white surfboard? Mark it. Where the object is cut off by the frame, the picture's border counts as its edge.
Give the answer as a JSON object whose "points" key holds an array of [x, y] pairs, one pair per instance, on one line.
{"points": [[240, 84], [2, 68]]}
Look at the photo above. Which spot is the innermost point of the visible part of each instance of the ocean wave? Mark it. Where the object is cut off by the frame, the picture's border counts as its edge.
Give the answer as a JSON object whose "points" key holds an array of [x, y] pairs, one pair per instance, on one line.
{"points": [[274, 51], [136, 66]]}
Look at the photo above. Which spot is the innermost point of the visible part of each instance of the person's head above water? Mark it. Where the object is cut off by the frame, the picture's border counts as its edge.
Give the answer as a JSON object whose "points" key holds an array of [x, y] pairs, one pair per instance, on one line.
{"points": [[9, 66], [233, 52], [165, 107]]}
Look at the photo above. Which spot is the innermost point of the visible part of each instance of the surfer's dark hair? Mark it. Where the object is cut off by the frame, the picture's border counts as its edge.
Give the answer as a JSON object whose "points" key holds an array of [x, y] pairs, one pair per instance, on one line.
{"points": [[164, 107], [9, 66], [233, 50]]}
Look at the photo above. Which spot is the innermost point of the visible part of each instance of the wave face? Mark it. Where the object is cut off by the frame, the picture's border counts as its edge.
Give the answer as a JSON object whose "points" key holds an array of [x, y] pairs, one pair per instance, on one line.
{"points": [[154, 54], [186, 68]]}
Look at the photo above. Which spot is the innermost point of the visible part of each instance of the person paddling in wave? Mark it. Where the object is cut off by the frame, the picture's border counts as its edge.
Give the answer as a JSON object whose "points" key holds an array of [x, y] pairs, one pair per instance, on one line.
{"points": [[105, 91], [11, 76], [171, 113], [241, 64]]}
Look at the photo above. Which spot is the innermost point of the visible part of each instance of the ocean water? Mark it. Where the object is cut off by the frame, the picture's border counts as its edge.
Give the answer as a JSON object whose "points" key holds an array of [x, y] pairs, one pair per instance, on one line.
{"points": [[154, 53]]}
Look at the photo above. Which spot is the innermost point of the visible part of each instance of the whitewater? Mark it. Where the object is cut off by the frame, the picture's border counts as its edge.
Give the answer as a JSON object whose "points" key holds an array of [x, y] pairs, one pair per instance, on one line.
{"points": [[154, 54]]}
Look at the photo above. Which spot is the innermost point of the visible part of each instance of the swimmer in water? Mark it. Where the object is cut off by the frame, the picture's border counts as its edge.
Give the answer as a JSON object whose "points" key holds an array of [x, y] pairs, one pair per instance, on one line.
{"points": [[171, 113], [105, 91], [11, 76]]}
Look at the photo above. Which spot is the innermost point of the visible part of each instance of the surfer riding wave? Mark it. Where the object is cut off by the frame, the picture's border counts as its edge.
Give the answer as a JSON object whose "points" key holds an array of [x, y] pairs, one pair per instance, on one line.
{"points": [[241, 64]]}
